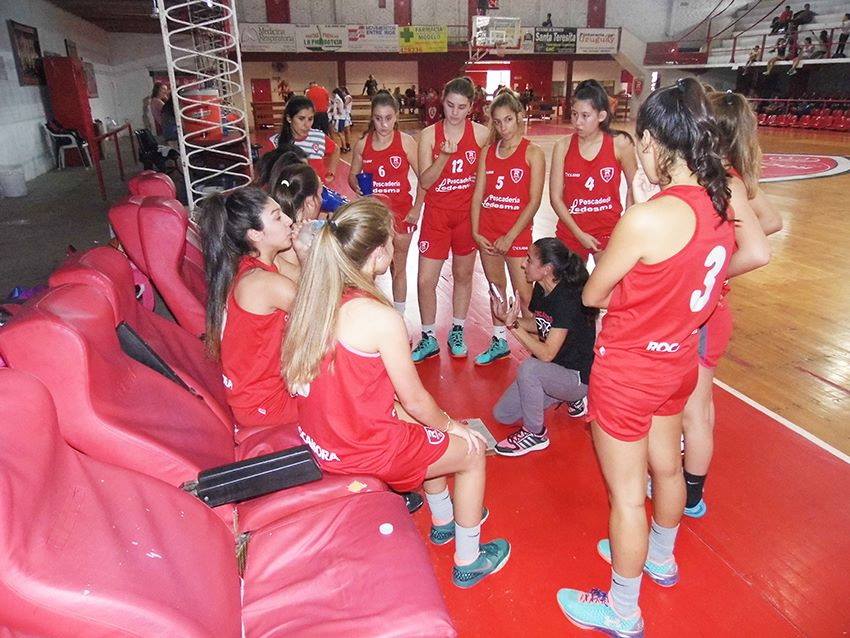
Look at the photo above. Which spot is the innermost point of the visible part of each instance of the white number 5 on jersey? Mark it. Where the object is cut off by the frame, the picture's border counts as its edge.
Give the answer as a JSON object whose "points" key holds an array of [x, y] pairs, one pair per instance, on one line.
{"points": [[714, 262]]}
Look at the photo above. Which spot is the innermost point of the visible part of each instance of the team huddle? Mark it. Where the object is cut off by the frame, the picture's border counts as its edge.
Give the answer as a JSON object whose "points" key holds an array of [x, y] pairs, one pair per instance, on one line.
{"points": [[305, 335]]}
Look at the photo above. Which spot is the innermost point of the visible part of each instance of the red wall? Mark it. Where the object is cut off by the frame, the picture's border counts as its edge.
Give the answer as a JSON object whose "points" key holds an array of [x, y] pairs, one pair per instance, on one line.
{"points": [[537, 73], [436, 70]]}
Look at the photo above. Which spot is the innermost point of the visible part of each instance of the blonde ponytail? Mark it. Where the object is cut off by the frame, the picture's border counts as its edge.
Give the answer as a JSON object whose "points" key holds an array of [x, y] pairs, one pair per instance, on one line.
{"points": [[337, 256]]}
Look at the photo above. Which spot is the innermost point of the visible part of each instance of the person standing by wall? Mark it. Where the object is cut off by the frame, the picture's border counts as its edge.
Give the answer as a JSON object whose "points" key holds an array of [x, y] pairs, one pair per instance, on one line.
{"points": [[321, 99]]}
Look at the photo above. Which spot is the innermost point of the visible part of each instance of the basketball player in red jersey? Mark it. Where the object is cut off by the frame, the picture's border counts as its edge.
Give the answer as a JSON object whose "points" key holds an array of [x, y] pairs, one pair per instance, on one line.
{"points": [[431, 108], [584, 181], [660, 279], [755, 219], [346, 353], [507, 195], [388, 155], [248, 302], [448, 162]]}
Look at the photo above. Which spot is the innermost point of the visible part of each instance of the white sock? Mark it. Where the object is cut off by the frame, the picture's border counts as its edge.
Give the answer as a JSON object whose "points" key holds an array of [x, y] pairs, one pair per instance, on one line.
{"points": [[430, 329], [442, 510], [458, 322], [500, 332], [400, 306], [467, 542]]}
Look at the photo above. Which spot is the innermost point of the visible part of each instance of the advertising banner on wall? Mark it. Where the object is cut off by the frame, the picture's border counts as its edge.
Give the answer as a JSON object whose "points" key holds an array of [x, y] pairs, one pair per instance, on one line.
{"points": [[598, 41], [373, 37], [422, 38], [322, 38], [555, 40], [267, 37]]}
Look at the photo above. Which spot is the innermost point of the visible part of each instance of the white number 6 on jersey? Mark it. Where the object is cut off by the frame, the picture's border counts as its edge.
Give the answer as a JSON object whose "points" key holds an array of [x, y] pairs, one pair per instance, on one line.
{"points": [[714, 262], [382, 171]]}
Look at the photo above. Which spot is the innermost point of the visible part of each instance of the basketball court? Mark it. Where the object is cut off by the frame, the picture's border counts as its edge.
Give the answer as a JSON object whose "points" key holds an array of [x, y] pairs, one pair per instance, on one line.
{"points": [[770, 557]]}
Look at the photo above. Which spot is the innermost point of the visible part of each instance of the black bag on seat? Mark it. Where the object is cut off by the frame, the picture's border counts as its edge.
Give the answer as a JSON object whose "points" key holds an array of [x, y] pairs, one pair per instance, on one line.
{"points": [[261, 475]]}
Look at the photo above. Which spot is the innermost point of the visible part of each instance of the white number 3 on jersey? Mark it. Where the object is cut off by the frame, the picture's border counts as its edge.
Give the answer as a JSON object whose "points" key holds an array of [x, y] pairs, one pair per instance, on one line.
{"points": [[590, 183], [714, 262]]}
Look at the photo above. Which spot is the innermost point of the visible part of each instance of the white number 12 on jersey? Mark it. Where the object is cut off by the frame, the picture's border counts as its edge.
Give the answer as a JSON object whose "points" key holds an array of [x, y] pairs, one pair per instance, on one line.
{"points": [[714, 262]]}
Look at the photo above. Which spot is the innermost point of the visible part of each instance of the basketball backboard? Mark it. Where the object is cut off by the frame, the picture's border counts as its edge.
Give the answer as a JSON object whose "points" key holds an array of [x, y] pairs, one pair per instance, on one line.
{"points": [[492, 32]]}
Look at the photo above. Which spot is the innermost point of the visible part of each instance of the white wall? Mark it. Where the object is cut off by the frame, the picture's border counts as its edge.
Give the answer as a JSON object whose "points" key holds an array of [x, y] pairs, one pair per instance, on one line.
{"points": [[439, 11], [251, 11], [388, 73], [120, 63]]}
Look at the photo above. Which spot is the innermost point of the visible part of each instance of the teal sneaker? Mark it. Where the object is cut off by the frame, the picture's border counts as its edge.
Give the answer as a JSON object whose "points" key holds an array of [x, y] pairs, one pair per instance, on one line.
{"points": [[492, 557], [442, 534], [457, 346], [590, 610], [498, 350], [664, 574], [426, 348], [697, 511]]}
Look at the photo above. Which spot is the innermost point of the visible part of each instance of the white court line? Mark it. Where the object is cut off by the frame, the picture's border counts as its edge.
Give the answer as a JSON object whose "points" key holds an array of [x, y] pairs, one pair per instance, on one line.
{"points": [[783, 421]]}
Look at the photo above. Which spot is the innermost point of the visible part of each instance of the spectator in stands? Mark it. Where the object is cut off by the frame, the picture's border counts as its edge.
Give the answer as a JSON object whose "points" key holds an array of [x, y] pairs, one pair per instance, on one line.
{"points": [[806, 52], [321, 99], [370, 87], [348, 101], [755, 54], [781, 50], [804, 16], [822, 44], [297, 129], [338, 131], [169, 121], [842, 38], [364, 408], [781, 21], [242, 233], [398, 98], [548, 21], [410, 98], [483, 5]]}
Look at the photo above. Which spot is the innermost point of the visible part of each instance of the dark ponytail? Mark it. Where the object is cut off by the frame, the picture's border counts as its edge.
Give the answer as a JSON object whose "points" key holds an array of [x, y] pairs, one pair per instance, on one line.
{"points": [[679, 118], [293, 105], [224, 222], [593, 92], [279, 157], [567, 266], [463, 86], [291, 184]]}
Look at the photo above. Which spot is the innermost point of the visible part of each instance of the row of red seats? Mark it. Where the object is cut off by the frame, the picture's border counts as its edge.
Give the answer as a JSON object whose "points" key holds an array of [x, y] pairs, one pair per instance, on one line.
{"points": [[822, 122], [99, 539]]}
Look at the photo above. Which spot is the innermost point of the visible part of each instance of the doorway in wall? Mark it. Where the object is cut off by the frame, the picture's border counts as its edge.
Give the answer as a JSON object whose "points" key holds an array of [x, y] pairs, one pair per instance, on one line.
{"points": [[497, 78]]}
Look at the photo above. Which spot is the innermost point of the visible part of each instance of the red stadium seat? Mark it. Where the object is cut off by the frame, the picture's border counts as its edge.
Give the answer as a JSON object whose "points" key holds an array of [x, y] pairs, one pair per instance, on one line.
{"points": [[108, 270], [805, 121], [89, 548], [124, 219], [175, 273], [790, 120], [841, 124], [772, 119], [152, 184], [110, 406], [762, 119]]}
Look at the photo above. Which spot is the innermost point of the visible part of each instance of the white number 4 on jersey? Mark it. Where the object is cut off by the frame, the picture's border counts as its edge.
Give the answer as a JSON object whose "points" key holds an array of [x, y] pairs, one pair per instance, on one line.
{"points": [[590, 183]]}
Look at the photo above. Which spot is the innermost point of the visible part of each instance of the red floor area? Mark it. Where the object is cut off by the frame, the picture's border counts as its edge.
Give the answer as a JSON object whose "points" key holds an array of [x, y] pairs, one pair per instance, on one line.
{"points": [[771, 557]]}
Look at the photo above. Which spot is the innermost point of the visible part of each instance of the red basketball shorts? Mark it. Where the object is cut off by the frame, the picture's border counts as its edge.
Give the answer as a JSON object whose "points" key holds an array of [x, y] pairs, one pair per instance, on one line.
{"points": [[628, 388], [495, 225], [714, 335], [444, 230], [406, 470]]}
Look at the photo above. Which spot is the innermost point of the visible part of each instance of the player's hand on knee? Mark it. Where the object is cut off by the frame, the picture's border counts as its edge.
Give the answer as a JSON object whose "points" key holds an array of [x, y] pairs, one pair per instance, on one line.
{"points": [[475, 441]]}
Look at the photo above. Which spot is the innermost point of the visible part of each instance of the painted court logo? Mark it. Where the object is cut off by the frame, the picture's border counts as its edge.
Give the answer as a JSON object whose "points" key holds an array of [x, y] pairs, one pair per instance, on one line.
{"points": [[781, 167], [606, 173], [395, 161], [516, 175]]}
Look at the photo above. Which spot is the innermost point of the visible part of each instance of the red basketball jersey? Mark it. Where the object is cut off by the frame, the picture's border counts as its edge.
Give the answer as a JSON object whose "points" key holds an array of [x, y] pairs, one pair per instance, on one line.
{"points": [[250, 360], [432, 110], [507, 188], [389, 169], [453, 189], [592, 189], [656, 309]]}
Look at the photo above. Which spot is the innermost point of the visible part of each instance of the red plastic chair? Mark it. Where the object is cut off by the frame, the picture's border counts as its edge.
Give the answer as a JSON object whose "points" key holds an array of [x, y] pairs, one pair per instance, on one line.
{"points": [[791, 120], [762, 119], [124, 219], [178, 278], [771, 120], [805, 121], [841, 124], [90, 549], [152, 184]]}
